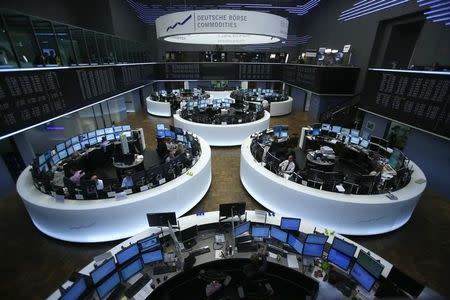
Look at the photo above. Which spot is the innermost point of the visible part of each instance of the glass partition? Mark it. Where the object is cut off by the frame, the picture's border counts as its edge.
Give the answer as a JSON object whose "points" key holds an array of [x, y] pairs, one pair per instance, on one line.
{"points": [[64, 41], [112, 57], [7, 57], [47, 42], [79, 46], [91, 46]]}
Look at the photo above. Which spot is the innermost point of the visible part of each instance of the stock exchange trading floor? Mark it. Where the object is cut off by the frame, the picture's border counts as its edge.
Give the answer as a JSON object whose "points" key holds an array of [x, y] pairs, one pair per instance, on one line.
{"points": [[34, 264]]}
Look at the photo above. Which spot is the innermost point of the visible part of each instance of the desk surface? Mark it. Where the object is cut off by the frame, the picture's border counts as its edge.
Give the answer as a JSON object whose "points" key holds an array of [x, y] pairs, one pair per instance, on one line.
{"points": [[206, 238]]}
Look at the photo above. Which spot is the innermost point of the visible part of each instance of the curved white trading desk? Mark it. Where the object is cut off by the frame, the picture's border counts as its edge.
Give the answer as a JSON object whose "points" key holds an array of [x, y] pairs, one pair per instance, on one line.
{"points": [[223, 135], [111, 219], [158, 108], [219, 94], [345, 213], [281, 108]]}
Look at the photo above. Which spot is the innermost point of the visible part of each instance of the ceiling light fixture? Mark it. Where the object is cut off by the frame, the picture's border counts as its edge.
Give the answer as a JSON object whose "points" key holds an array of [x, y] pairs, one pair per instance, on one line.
{"points": [[222, 27]]}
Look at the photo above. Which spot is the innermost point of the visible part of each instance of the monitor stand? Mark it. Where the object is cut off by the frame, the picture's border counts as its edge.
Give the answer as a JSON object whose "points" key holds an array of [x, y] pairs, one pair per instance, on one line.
{"points": [[189, 244]]}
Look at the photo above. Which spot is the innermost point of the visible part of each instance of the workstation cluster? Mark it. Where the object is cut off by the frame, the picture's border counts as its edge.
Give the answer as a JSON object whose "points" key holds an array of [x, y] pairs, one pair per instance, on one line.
{"points": [[336, 159], [105, 162], [163, 103], [233, 253], [278, 103]]}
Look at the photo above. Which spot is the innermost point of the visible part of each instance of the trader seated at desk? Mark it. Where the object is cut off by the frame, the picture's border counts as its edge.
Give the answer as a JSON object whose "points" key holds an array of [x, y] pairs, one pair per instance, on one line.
{"points": [[254, 271], [76, 176], [127, 181], [287, 167]]}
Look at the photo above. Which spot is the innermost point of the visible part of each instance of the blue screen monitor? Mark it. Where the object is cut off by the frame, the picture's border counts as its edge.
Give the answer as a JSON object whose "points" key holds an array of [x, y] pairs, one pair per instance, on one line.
{"points": [[339, 259], [241, 229], [91, 134], [362, 277], [126, 254], [278, 234], [354, 132], [316, 132], [259, 231], [43, 168], [41, 159], [365, 135], [316, 239], [62, 154], [92, 141], [84, 144], [76, 290], [110, 137], [108, 285], [55, 159], [127, 133], [295, 244], [117, 129], [152, 257], [70, 150], [354, 140], [132, 268], [161, 126], [326, 127], [344, 247], [60, 147], [100, 272], [364, 143], [126, 127], [68, 143], [290, 224], [100, 139], [83, 137], [315, 250], [75, 140], [109, 130], [336, 129], [168, 133], [149, 243], [345, 131], [160, 133]]}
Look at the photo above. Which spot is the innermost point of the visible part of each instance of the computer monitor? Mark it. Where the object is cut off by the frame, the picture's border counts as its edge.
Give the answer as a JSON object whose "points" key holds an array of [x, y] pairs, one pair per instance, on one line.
{"points": [[241, 229], [260, 231], [91, 134], [110, 137], [354, 140], [127, 253], [167, 133], [75, 139], [41, 159], [103, 270], [126, 127], [92, 141], [44, 168], [117, 129], [131, 269], [62, 154], [316, 132], [83, 136], [161, 219], [100, 138], [189, 233], [336, 129], [326, 127], [68, 143], [370, 264], [70, 150], [283, 134], [364, 278], [76, 147], [160, 127], [180, 138], [225, 210], [76, 290], [278, 234], [314, 250], [60, 147], [100, 132], [354, 132], [364, 143], [295, 243], [55, 159], [108, 285], [148, 243], [109, 130], [292, 224], [339, 259], [344, 247], [84, 144], [316, 239], [152, 257], [345, 131]]}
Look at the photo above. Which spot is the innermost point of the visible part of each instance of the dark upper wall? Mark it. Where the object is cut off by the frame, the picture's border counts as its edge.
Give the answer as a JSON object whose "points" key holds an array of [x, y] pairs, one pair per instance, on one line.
{"points": [[125, 22]]}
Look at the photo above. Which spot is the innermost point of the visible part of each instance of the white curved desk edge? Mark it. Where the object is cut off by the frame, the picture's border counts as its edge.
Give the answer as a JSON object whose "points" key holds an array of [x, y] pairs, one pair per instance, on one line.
{"points": [[158, 108], [281, 108], [345, 213], [109, 219]]}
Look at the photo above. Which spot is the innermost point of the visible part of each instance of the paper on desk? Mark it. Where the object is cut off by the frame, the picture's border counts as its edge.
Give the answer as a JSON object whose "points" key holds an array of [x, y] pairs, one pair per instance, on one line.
{"points": [[292, 261], [144, 292], [273, 255], [219, 254]]}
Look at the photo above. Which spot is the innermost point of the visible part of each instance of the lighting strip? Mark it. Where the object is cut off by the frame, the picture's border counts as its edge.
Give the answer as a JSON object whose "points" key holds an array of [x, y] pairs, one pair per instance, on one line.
{"points": [[381, 5]]}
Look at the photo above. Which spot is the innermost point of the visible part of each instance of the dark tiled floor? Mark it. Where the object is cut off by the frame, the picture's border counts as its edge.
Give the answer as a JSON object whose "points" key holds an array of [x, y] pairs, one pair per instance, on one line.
{"points": [[34, 265]]}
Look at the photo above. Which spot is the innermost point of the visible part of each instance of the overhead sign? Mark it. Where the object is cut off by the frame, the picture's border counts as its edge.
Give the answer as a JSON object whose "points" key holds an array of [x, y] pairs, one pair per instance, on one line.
{"points": [[225, 27]]}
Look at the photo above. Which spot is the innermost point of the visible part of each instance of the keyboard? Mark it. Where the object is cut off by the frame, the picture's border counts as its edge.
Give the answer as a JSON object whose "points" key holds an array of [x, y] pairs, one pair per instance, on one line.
{"points": [[200, 251], [137, 286], [158, 270], [243, 239]]}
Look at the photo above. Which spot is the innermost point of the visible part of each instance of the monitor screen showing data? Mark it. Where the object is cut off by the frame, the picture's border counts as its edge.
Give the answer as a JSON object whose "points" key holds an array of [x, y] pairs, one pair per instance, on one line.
{"points": [[290, 224], [241, 229], [315, 250], [295, 244], [362, 277], [316, 238], [339, 259], [278, 234], [132, 268], [152, 257], [108, 285], [149, 243], [100, 272], [126, 254], [75, 291], [260, 231], [344, 247]]}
